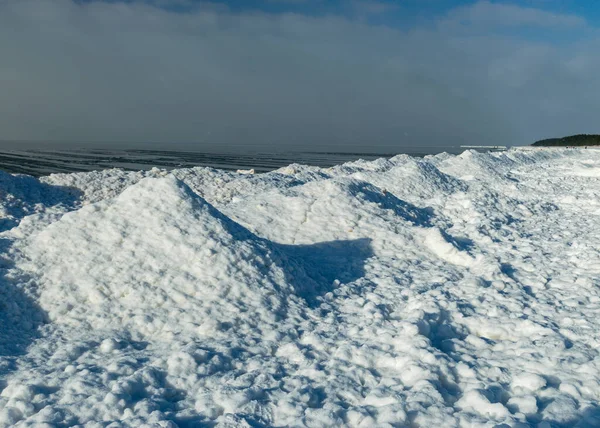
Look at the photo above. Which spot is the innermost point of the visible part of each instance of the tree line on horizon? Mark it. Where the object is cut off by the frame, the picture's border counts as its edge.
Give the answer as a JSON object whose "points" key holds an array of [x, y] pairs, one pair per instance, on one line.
{"points": [[573, 140]]}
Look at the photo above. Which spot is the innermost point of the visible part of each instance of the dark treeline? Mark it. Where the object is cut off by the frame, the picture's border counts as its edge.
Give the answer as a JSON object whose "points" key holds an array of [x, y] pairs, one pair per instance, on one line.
{"points": [[573, 140]]}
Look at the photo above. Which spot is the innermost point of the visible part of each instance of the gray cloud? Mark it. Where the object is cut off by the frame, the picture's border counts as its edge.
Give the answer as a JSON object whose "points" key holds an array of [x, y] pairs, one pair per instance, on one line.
{"points": [[134, 72]]}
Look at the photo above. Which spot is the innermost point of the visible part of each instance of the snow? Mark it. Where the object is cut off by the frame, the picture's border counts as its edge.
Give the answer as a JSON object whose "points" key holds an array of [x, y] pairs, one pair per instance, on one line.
{"points": [[455, 291]]}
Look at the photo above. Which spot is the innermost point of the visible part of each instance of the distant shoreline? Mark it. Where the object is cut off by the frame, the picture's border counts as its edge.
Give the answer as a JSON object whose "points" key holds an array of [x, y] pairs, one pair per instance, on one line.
{"points": [[580, 140]]}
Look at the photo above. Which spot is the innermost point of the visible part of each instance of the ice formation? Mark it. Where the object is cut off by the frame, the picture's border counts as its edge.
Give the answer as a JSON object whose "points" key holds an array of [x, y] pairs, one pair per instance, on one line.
{"points": [[446, 291]]}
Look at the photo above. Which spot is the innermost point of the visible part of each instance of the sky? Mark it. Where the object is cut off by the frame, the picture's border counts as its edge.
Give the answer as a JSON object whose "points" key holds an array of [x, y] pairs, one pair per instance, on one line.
{"points": [[298, 74]]}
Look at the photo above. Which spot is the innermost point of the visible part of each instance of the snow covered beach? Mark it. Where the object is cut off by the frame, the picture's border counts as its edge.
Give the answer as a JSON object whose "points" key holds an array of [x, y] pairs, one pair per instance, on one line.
{"points": [[444, 291]]}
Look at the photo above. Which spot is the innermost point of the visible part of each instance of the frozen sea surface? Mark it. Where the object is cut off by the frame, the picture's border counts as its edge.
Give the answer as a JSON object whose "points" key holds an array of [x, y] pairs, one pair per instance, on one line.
{"points": [[454, 291], [39, 161]]}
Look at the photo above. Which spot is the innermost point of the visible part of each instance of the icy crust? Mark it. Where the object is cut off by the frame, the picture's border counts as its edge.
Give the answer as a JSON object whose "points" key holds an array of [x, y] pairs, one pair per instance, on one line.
{"points": [[444, 291]]}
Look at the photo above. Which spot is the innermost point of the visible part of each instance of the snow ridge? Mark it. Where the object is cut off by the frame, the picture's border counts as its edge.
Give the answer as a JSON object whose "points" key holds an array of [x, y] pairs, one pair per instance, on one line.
{"points": [[445, 291], [154, 255]]}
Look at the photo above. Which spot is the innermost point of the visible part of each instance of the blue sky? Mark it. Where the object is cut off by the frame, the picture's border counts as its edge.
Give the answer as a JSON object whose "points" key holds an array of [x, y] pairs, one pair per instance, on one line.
{"points": [[299, 73], [400, 13], [411, 7]]}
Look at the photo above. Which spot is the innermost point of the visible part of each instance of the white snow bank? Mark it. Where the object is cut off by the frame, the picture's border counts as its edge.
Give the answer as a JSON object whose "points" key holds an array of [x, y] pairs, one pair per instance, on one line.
{"points": [[22, 195], [444, 291], [158, 261]]}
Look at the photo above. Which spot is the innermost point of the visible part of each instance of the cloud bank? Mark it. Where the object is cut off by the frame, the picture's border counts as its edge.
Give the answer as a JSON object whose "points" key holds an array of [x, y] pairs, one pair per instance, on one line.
{"points": [[135, 72]]}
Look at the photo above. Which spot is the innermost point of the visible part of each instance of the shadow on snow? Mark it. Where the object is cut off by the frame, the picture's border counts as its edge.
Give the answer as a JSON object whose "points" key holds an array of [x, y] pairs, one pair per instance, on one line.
{"points": [[20, 315], [313, 269], [21, 195]]}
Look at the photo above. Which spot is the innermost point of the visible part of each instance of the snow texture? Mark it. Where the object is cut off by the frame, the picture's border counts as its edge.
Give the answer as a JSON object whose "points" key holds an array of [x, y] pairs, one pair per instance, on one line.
{"points": [[455, 291]]}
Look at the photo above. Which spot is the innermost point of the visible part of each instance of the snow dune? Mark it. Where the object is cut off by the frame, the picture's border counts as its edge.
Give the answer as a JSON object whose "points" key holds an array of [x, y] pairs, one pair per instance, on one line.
{"points": [[447, 291]]}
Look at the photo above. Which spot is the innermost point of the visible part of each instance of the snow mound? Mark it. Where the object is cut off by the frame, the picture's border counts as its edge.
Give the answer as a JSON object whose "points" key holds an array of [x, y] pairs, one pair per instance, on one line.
{"points": [[22, 195], [305, 173], [221, 188], [327, 210], [416, 180], [156, 260], [408, 178], [472, 165], [99, 185], [218, 187]]}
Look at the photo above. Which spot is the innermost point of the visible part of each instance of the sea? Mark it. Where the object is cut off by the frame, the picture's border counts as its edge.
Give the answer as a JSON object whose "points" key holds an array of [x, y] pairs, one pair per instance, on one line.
{"points": [[45, 159]]}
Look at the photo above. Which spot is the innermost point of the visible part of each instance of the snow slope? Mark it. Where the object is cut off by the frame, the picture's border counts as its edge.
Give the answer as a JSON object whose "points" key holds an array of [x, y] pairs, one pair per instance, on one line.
{"points": [[445, 291]]}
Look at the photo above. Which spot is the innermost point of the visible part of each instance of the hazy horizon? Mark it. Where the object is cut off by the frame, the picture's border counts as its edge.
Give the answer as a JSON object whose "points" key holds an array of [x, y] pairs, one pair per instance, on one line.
{"points": [[213, 147], [375, 76]]}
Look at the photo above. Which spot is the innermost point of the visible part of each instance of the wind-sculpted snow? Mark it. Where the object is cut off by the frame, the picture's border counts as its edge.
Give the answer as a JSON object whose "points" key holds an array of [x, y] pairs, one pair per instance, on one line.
{"points": [[445, 291], [157, 260]]}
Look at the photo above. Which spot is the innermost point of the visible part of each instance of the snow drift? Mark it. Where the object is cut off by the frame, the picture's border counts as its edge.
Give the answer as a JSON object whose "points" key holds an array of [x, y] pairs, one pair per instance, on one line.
{"points": [[156, 260], [444, 291]]}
